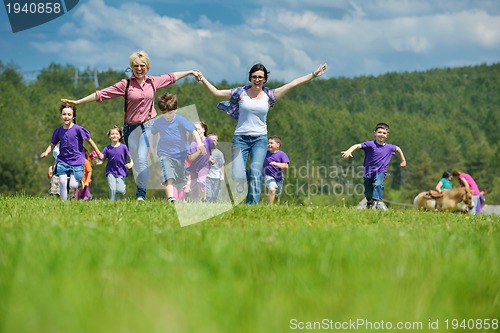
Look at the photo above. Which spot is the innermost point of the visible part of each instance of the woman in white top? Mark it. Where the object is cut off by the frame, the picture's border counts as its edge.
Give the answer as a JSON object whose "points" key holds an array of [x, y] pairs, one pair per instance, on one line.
{"points": [[249, 105]]}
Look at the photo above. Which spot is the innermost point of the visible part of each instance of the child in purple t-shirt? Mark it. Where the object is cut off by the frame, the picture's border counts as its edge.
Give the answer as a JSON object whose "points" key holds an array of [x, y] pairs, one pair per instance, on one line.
{"points": [[116, 169], [378, 154], [274, 163], [200, 164], [71, 159]]}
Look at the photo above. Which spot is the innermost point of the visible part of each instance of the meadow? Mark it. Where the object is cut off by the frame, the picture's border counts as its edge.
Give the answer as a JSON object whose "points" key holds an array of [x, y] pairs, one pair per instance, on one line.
{"points": [[98, 266]]}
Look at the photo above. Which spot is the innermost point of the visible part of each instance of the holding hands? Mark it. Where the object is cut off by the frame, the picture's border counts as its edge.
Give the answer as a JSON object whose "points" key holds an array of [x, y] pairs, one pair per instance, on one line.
{"points": [[197, 74]]}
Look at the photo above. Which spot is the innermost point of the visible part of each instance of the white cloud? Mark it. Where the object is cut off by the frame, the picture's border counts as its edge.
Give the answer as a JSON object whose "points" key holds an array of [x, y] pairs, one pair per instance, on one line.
{"points": [[355, 37]]}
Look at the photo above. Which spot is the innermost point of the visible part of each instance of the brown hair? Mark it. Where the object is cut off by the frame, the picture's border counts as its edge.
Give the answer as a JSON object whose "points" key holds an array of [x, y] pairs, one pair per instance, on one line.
{"points": [[258, 67], [383, 126], [276, 139], [65, 106], [204, 126], [167, 102], [119, 129]]}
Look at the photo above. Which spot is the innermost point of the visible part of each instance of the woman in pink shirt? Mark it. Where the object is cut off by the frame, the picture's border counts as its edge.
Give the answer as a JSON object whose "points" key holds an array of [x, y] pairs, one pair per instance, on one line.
{"points": [[469, 183], [138, 92]]}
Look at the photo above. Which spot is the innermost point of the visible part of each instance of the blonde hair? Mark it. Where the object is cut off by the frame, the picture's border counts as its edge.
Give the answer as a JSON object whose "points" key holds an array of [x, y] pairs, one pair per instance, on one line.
{"points": [[139, 55]]}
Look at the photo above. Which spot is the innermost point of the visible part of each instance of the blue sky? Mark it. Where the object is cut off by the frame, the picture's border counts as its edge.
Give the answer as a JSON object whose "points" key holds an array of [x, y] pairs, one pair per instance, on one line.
{"points": [[291, 37]]}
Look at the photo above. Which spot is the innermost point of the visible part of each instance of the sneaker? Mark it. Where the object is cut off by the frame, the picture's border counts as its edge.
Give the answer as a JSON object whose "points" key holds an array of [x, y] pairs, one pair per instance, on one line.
{"points": [[171, 200], [140, 199], [369, 204], [379, 205]]}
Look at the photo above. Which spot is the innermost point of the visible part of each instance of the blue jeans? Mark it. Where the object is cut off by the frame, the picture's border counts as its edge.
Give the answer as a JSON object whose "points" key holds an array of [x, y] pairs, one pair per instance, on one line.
{"points": [[374, 187], [76, 175], [256, 146], [137, 139]]}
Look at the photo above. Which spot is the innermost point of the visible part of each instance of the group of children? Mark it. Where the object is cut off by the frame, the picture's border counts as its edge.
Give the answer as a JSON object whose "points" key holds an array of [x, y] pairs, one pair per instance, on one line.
{"points": [[196, 168], [73, 161]]}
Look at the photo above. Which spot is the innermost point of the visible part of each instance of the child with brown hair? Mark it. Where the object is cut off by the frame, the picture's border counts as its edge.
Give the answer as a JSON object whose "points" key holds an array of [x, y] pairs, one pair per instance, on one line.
{"points": [[172, 148], [274, 163], [378, 154], [116, 169], [71, 158]]}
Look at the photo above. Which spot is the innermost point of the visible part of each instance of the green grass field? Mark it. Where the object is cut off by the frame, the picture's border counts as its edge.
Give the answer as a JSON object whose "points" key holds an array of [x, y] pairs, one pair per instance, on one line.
{"points": [[121, 267]]}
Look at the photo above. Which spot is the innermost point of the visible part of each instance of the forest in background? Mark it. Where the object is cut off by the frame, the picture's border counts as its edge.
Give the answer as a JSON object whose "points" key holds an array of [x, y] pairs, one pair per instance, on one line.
{"points": [[443, 119]]}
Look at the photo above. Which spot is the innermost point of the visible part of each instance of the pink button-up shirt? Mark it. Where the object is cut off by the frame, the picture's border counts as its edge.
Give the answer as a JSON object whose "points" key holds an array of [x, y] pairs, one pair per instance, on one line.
{"points": [[471, 182], [140, 98]]}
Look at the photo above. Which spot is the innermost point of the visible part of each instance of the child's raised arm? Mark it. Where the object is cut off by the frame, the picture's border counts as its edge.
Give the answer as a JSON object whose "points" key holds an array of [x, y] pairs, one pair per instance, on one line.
{"points": [[348, 152], [201, 146], [95, 148], [401, 157], [47, 151]]}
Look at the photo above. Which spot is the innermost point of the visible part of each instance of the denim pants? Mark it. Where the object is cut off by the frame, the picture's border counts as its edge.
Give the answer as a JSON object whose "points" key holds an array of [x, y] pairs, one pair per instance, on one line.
{"points": [[256, 146], [137, 139], [116, 185], [214, 186], [374, 187], [75, 173]]}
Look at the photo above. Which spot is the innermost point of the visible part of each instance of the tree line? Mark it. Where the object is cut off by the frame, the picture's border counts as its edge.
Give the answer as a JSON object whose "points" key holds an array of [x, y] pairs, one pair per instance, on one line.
{"points": [[443, 119]]}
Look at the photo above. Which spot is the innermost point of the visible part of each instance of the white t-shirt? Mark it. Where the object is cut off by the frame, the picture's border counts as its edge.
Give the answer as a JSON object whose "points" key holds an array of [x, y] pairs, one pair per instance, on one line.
{"points": [[253, 113]]}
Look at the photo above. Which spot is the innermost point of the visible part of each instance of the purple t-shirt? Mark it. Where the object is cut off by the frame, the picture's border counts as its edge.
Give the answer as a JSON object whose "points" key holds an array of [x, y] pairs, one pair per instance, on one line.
{"points": [[202, 161], [274, 171], [70, 142], [117, 158], [173, 136], [377, 157], [480, 203]]}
